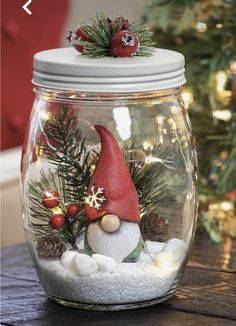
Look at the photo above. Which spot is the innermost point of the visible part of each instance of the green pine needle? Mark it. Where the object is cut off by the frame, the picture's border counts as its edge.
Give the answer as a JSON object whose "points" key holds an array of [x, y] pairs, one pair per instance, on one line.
{"points": [[149, 181], [72, 174], [143, 33]]}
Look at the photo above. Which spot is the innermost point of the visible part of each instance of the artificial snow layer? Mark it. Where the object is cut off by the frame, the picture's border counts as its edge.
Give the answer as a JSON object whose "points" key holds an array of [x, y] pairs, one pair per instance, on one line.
{"points": [[128, 282]]}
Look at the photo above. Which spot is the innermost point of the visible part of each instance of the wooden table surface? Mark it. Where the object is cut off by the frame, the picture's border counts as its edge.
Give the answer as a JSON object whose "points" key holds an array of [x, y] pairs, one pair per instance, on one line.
{"points": [[207, 295]]}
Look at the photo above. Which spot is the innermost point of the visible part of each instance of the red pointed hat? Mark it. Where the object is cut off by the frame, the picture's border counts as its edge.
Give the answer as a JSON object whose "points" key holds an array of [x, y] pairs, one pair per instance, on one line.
{"points": [[111, 183]]}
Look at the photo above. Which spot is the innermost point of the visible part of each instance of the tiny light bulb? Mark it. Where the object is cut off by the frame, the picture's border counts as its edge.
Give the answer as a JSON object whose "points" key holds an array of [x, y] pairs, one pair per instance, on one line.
{"points": [[164, 260], [221, 78], [187, 97], [201, 27], [226, 206], [44, 115], [172, 124], [219, 25], [57, 210], [233, 67], [160, 119], [147, 145], [224, 115]]}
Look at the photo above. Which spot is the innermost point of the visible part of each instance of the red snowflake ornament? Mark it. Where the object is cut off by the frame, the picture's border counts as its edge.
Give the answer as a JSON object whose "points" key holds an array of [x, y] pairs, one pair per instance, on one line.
{"points": [[124, 44]]}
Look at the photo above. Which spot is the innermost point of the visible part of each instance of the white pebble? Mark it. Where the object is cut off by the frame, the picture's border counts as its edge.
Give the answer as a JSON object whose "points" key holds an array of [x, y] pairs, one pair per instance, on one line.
{"points": [[83, 265], [104, 263], [176, 247], [164, 260], [153, 247], [67, 257]]}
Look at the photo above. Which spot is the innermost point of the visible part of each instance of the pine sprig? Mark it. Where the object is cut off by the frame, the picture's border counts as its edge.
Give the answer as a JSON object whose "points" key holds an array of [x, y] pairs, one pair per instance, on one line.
{"points": [[149, 181], [145, 36], [70, 156], [100, 33], [72, 162], [41, 215]]}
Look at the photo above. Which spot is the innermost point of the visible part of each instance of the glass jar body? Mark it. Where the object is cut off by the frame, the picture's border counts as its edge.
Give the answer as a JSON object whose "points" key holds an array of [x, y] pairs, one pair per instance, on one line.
{"points": [[76, 140]]}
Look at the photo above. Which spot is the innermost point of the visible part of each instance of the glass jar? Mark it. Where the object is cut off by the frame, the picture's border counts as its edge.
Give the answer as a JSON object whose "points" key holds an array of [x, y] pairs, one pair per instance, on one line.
{"points": [[109, 179]]}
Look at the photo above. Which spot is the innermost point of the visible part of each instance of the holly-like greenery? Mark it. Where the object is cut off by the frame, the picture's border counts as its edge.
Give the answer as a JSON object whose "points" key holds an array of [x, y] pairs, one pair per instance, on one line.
{"points": [[72, 228], [204, 31], [66, 150], [101, 34]]}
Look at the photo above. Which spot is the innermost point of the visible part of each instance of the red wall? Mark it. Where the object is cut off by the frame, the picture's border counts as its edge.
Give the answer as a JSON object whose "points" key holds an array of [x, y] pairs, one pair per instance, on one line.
{"points": [[22, 36]]}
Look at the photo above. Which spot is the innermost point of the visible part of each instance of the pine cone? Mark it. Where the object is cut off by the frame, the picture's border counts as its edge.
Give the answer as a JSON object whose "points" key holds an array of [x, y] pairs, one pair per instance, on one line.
{"points": [[154, 228], [50, 247]]}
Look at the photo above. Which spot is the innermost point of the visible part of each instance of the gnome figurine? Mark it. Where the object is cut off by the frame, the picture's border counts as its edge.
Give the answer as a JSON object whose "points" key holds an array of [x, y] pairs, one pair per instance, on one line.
{"points": [[111, 205]]}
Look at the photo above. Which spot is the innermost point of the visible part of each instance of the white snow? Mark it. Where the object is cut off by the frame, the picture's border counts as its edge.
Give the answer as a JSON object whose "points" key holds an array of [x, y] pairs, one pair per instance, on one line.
{"points": [[129, 282]]}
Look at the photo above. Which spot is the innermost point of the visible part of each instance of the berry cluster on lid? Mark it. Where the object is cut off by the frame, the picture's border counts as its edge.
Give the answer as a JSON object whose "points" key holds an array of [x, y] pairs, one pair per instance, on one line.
{"points": [[113, 38]]}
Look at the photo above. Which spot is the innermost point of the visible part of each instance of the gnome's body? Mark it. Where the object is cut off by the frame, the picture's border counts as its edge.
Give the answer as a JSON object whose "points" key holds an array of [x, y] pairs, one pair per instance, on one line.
{"points": [[112, 207]]}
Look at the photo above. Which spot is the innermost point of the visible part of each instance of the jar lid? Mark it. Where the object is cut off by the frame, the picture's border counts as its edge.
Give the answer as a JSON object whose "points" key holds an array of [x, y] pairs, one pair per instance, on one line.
{"points": [[68, 70]]}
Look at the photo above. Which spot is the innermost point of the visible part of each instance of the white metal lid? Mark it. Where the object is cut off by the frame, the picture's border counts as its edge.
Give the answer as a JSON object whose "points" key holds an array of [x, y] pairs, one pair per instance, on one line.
{"points": [[68, 70]]}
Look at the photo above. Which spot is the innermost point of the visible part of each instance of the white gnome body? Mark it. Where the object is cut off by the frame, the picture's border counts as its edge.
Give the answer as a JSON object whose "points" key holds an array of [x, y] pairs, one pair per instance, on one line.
{"points": [[119, 244]]}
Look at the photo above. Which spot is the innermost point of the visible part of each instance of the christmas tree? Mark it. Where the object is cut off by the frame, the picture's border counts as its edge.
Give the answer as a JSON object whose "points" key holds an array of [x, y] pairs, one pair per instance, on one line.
{"points": [[205, 32]]}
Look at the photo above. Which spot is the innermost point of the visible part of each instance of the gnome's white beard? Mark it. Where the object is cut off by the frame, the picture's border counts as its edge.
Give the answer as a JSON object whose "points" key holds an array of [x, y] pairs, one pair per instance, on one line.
{"points": [[117, 245]]}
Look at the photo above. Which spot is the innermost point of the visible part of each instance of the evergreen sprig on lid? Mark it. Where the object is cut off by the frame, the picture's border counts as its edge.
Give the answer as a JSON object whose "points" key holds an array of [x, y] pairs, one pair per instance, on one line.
{"points": [[113, 38]]}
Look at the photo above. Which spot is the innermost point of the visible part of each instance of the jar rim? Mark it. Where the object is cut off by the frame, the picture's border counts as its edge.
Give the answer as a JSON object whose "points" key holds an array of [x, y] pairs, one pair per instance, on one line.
{"points": [[64, 95], [66, 69]]}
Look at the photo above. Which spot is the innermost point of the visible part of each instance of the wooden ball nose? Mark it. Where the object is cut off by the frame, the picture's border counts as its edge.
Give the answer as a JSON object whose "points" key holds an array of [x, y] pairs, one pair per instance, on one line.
{"points": [[110, 223]]}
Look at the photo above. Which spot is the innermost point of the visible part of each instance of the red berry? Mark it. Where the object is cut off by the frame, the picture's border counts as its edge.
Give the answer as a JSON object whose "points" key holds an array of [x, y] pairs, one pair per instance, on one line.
{"points": [[122, 22], [124, 44], [125, 25], [73, 209], [50, 199], [79, 34], [57, 221]]}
